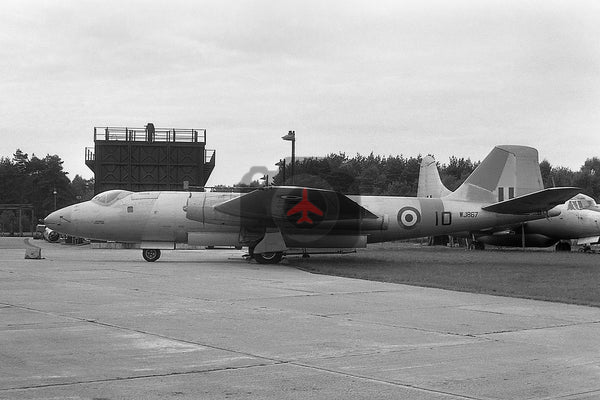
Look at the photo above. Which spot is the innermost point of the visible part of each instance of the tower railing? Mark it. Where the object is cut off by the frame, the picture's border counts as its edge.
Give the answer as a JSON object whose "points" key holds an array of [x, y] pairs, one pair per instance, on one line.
{"points": [[111, 133]]}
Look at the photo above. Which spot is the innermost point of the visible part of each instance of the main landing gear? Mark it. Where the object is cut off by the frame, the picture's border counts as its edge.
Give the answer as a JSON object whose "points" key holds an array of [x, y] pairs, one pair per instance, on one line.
{"points": [[266, 258], [151, 255]]}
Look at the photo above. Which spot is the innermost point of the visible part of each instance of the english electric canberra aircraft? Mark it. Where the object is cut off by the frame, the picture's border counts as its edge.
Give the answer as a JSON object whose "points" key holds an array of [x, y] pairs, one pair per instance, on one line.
{"points": [[578, 218], [271, 221]]}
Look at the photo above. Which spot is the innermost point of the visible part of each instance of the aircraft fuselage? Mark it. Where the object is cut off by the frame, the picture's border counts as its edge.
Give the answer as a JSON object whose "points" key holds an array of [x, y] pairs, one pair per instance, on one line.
{"points": [[161, 219]]}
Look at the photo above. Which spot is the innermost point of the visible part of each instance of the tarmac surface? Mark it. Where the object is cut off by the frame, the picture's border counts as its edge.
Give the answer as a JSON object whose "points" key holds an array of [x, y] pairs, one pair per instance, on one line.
{"points": [[104, 324]]}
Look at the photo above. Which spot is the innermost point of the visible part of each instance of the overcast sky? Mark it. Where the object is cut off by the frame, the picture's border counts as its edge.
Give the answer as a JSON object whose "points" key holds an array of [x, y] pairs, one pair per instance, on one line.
{"points": [[390, 77]]}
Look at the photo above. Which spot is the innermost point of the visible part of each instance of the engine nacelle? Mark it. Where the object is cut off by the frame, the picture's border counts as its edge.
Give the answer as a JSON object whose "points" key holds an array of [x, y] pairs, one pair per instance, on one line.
{"points": [[202, 209], [51, 236]]}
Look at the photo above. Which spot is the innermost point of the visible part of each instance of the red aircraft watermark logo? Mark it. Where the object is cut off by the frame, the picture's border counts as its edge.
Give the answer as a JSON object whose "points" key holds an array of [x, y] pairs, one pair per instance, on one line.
{"points": [[304, 207]]}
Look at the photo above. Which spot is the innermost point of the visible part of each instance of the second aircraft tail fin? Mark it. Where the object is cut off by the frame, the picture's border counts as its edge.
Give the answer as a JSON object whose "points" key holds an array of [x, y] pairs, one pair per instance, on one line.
{"points": [[430, 183]]}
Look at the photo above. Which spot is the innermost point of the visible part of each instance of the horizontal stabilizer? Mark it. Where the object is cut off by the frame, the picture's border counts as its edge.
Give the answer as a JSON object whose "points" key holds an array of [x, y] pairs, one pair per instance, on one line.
{"points": [[540, 201], [295, 203]]}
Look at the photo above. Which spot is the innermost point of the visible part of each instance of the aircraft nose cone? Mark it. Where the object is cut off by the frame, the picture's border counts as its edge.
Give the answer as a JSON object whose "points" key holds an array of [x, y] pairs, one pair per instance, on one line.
{"points": [[59, 220], [51, 220]]}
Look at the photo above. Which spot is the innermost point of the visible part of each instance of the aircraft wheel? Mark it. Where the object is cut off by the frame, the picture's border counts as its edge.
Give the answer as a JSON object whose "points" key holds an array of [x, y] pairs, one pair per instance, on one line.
{"points": [[268, 258], [151, 255]]}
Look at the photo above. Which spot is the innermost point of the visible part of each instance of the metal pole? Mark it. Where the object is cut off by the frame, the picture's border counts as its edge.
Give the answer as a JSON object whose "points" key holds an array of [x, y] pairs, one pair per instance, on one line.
{"points": [[293, 157], [33, 221], [20, 222], [291, 136]]}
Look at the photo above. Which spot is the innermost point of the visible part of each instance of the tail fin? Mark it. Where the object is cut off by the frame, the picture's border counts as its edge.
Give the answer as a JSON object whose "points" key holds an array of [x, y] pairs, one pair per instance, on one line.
{"points": [[430, 184], [508, 171]]}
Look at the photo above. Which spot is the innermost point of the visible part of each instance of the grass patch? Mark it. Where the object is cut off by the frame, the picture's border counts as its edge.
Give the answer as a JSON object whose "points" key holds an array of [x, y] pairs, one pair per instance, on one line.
{"points": [[533, 274]]}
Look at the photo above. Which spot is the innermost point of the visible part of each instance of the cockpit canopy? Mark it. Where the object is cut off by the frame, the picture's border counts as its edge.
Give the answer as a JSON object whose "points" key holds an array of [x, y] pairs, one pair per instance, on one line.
{"points": [[582, 202], [110, 196]]}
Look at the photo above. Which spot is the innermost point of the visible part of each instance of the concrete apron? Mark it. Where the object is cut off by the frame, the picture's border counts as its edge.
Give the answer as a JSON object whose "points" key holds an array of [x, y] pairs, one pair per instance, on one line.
{"points": [[89, 323]]}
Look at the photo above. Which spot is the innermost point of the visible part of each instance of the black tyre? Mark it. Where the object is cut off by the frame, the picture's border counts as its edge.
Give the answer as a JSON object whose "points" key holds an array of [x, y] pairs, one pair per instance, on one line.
{"points": [[268, 258], [151, 255]]}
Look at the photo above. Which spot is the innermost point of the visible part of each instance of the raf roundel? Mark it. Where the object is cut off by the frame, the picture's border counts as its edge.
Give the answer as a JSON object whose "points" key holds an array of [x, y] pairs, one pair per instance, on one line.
{"points": [[409, 217]]}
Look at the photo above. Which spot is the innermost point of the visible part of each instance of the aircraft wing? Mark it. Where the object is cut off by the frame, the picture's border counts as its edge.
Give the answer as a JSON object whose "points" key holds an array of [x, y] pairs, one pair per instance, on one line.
{"points": [[539, 201], [275, 202]]}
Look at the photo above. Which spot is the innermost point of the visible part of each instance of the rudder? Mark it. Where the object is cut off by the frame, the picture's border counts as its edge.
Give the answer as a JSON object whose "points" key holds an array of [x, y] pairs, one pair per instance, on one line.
{"points": [[508, 171]]}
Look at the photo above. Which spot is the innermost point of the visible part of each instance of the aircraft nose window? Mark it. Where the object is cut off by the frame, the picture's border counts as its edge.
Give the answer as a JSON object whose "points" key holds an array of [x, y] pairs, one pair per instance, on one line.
{"points": [[106, 198]]}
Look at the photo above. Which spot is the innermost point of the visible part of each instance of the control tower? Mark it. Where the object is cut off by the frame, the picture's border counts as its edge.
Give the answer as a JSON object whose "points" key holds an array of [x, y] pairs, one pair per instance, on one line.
{"points": [[149, 158]]}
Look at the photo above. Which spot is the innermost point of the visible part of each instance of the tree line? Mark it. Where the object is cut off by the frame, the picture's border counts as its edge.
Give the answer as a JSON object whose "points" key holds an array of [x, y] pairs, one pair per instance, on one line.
{"points": [[44, 184], [399, 175], [40, 182]]}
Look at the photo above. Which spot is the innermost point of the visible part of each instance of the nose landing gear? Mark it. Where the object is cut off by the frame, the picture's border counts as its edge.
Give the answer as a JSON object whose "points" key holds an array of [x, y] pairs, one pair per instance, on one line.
{"points": [[151, 255]]}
